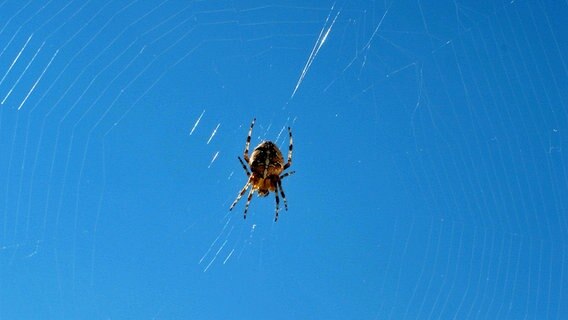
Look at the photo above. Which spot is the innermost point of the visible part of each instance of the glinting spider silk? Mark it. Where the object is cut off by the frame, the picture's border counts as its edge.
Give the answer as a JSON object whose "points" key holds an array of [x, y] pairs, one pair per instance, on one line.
{"points": [[266, 166]]}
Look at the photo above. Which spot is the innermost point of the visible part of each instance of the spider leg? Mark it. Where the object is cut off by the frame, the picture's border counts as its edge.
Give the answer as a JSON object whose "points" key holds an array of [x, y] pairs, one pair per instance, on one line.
{"points": [[248, 202], [289, 163], [246, 154], [244, 166], [240, 195], [287, 174], [283, 195], [277, 202]]}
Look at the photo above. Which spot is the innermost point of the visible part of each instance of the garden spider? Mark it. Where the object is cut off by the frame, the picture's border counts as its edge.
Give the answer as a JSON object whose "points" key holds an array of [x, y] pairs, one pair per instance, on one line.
{"points": [[266, 165]]}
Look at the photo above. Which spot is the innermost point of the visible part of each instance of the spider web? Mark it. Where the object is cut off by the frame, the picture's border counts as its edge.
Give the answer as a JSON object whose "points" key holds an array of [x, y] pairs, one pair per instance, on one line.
{"points": [[429, 149]]}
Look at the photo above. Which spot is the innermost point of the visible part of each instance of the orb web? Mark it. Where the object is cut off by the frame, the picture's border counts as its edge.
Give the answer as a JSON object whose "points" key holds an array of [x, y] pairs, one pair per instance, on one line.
{"points": [[429, 156]]}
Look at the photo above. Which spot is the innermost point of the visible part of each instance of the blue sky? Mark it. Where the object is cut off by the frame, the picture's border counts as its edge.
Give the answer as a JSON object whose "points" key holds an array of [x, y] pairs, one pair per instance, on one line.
{"points": [[429, 150]]}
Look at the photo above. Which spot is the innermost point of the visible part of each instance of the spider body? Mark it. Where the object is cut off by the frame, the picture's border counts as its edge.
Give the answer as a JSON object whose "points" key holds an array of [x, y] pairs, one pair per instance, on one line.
{"points": [[266, 165]]}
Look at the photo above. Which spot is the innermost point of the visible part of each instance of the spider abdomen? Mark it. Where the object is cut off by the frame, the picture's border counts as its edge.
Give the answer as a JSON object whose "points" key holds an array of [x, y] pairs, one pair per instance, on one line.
{"points": [[266, 160]]}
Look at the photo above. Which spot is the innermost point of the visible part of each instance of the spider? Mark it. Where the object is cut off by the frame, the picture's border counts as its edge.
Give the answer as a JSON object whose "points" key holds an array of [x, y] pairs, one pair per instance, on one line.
{"points": [[266, 166]]}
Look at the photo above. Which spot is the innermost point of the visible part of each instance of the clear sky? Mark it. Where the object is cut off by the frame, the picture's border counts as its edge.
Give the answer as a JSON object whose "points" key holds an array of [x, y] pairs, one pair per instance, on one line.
{"points": [[429, 148]]}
